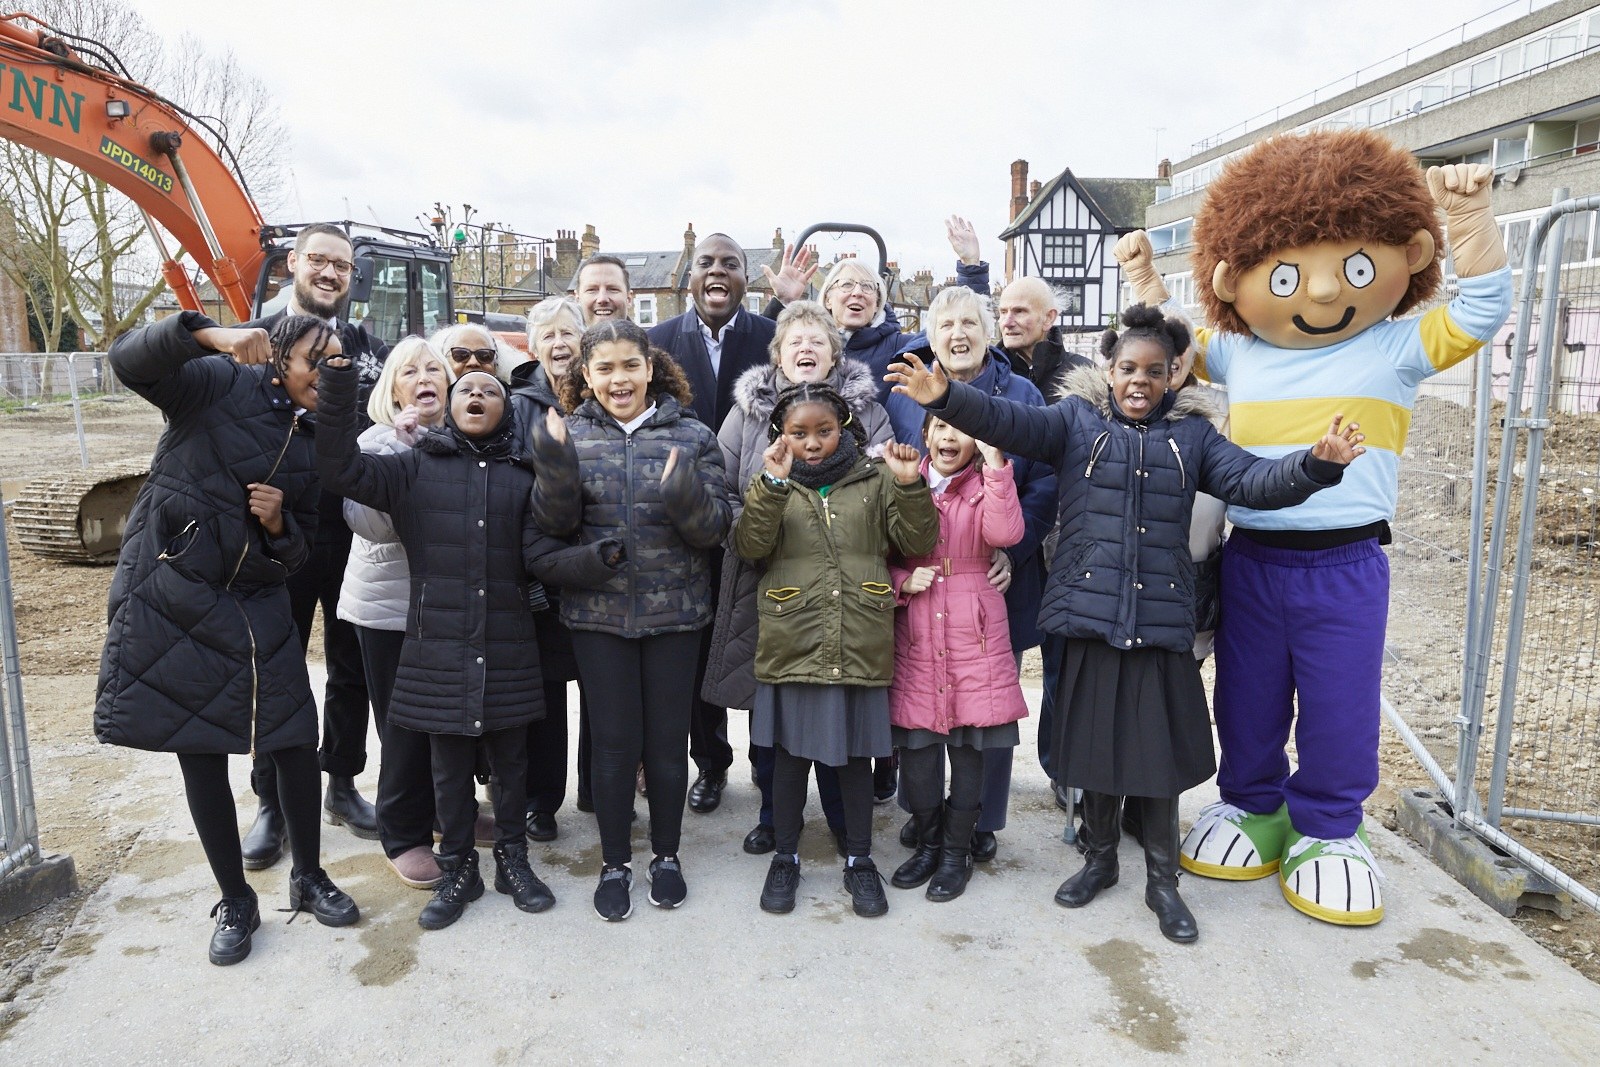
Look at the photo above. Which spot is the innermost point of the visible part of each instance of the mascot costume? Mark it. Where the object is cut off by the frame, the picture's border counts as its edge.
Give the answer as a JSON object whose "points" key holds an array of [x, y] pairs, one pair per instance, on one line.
{"points": [[1307, 249]]}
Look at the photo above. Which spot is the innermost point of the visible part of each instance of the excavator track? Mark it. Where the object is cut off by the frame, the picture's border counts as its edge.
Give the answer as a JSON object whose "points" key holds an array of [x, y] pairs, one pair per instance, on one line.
{"points": [[78, 517]]}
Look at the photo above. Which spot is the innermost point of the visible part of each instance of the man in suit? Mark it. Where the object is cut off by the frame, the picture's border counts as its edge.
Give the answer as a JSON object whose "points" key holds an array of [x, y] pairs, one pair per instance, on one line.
{"points": [[714, 342], [321, 266]]}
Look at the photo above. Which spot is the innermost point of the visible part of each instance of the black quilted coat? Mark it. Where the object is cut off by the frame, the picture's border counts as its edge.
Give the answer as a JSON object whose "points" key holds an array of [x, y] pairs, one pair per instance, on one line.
{"points": [[470, 661], [201, 653]]}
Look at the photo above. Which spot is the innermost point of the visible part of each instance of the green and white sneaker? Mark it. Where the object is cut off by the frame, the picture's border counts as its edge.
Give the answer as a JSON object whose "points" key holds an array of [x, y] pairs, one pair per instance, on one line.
{"points": [[1230, 843], [1335, 881]]}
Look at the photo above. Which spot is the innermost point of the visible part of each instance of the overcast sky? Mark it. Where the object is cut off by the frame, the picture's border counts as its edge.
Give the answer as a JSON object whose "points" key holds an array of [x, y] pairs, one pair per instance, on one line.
{"points": [[745, 115]]}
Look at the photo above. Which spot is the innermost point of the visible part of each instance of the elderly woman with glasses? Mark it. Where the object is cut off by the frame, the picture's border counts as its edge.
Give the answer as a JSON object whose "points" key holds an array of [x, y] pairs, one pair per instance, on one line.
{"points": [[858, 301], [469, 346]]}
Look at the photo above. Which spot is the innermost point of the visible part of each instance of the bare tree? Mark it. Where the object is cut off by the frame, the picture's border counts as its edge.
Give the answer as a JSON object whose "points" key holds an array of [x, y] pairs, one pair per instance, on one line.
{"points": [[74, 237]]}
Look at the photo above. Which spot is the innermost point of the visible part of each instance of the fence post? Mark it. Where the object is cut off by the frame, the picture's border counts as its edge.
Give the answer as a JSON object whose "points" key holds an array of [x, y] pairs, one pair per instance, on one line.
{"points": [[77, 407], [17, 816]]}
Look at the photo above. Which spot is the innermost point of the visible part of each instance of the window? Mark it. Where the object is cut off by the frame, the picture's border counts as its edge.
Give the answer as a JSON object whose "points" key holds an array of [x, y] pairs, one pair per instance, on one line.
{"points": [[435, 296], [1485, 72], [1587, 133], [1510, 151], [1575, 243], [1062, 250], [1511, 61], [644, 309], [753, 302], [1536, 53], [1069, 298]]}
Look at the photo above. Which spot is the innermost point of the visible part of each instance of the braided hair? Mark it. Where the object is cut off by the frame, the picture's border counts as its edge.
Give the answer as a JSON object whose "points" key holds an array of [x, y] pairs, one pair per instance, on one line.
{"points": [[289, 331], [1141, 322], [815, 393]]}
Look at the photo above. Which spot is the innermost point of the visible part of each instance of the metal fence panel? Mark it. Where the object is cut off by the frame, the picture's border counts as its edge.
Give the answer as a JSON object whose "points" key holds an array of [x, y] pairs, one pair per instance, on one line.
{"points": [[19, 824]]}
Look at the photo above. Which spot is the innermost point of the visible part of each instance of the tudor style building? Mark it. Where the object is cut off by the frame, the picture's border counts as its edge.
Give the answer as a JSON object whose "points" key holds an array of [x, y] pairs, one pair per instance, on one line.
{"points": [[1063, 232]]}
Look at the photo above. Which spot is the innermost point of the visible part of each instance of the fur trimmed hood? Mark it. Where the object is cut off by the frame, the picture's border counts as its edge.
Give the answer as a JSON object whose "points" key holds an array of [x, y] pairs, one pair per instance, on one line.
{"points": [[755, 391], [1089, 383]]}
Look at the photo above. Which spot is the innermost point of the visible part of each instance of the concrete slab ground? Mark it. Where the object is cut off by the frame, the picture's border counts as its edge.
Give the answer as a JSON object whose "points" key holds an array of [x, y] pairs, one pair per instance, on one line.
{"points": [[1002, 975]]}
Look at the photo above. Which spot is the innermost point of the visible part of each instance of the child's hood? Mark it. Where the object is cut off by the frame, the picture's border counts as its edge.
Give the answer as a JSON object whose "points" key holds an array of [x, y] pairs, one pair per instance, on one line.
{"points": [[1089, 383]]}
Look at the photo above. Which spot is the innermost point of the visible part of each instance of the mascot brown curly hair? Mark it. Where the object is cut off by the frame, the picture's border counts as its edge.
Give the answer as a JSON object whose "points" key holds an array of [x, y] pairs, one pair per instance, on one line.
{"points": [[1310, 250]]}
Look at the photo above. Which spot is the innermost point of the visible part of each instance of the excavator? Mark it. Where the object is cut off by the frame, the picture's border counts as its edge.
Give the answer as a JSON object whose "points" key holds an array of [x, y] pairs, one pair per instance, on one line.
{"points": [[70, 97]]}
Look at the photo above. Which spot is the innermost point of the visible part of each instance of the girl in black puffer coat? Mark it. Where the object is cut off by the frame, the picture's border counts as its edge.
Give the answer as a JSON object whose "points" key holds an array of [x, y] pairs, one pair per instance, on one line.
{"points": [[461, 505], [1130, 717], [202, 657], [651, 476]]}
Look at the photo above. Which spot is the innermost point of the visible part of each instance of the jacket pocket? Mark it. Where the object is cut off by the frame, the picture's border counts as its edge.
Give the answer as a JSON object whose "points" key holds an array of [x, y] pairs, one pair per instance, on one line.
{"points": [[789, 634], [783, 595]]}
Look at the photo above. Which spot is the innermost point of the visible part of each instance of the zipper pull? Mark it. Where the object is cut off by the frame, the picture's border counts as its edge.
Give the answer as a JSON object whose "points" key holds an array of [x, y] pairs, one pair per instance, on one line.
{"points": [[1183, 475]]}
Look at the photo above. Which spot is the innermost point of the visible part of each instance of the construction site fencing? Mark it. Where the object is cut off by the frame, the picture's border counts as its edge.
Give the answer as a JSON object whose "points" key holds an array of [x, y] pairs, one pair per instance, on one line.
{"points": [[1491, 675], [19, 821], [33, 382]]}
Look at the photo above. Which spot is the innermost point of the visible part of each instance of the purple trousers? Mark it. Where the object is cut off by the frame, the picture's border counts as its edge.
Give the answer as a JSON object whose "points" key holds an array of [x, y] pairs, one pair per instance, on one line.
{"points": [[1306, 624]]}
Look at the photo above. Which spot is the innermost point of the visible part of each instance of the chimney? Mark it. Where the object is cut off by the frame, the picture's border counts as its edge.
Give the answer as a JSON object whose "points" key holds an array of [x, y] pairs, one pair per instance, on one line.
{"points": [[1033, 190], [1164, 169], [688, 244], [566, 254], [1019, 185], [591, 241], [777, 240]]}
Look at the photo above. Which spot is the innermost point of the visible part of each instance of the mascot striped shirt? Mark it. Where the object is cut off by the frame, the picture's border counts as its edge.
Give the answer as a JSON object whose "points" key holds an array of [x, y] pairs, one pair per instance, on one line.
{"points": [[1283, 399]]}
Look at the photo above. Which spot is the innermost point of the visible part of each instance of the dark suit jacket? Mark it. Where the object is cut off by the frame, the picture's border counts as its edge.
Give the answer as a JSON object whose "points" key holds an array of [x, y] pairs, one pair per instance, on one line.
{"points": [[744, 345]]}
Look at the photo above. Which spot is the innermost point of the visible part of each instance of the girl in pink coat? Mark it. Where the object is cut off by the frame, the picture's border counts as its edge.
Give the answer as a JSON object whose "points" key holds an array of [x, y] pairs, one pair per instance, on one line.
{"points": [[955, 688]]}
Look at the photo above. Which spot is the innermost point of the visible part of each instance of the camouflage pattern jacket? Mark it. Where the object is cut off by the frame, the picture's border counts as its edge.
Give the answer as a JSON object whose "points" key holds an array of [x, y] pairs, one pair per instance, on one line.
{"points": [[669, 529]]}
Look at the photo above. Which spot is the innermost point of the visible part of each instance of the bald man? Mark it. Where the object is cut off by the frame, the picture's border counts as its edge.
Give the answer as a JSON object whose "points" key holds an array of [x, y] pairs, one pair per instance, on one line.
{"points": [[1027, 320]]}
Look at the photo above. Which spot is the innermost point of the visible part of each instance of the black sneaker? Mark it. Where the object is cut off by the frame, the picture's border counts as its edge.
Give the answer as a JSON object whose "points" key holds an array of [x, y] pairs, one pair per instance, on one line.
{"points": [[783, 879], [541, 826], [866, 889], [315, 892], [613, 898], [667, 889], [237, 918]]}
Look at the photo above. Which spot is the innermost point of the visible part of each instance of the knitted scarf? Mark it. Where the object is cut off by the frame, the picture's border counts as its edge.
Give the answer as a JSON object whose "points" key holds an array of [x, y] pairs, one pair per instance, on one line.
{"points": [[830, 470]]}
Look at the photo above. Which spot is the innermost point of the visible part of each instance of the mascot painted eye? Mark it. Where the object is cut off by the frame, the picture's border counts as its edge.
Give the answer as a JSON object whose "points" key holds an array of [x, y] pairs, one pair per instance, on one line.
{"points": [[1285, 279], [1359, 270]]}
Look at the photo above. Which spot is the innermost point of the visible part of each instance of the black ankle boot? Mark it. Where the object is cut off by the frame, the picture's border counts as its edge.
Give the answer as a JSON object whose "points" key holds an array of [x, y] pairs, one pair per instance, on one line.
{"points": [[459, 885], [955, 855], [920, 866], [342, 805], [1161, 867], [1098, 841], [262, 845], [514, 875]]}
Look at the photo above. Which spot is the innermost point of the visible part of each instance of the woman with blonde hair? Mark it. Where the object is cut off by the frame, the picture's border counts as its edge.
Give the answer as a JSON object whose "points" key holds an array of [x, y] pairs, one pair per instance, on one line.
{"points": [[408, 400]]}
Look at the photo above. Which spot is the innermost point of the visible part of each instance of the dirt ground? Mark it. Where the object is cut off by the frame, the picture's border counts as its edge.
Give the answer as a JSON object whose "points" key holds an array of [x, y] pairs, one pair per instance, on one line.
{"points": [[61, 625]]}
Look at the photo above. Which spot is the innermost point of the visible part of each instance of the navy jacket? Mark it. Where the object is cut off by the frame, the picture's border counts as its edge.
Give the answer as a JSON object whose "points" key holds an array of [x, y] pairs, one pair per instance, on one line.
{"points": [[1036, 490], [744, 345], [1122, 571]]}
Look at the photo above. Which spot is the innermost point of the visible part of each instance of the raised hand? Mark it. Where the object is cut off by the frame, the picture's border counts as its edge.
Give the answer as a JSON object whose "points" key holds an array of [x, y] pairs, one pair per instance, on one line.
{"points": [[778, 460], [1133, 249], [917, 581], [913, 378], [1460, 186], [963, 238], [1338, 446], [266, 504], [555, 425], [246, 345], [336, 362], [405, 425], [992, 456], [795, 271], [903, 461], [671, 464]]}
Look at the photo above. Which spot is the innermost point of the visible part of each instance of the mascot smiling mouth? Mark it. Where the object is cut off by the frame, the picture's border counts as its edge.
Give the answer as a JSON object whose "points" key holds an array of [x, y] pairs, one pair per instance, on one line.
{"points": [[1305, 327]]}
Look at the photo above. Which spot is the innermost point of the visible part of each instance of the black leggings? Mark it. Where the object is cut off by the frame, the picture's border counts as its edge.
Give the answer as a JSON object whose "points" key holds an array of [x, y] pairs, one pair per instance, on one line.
{"points": [[455, 764], [640, 692], [790, 779], [216, 817], [922, 777]]}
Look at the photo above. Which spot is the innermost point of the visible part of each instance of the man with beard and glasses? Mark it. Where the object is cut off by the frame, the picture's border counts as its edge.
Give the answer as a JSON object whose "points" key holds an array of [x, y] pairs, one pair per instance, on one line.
{"points": [[714, 342], [321, 265]]}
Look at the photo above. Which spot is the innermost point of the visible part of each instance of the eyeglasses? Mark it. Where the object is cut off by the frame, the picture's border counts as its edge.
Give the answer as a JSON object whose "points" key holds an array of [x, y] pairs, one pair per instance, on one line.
{"points": [[854, 287], [318, 262], [482, 356]]}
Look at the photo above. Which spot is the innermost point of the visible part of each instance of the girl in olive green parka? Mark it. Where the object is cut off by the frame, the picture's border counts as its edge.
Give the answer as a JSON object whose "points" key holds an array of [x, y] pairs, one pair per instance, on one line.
{"points": [[824, 519]]}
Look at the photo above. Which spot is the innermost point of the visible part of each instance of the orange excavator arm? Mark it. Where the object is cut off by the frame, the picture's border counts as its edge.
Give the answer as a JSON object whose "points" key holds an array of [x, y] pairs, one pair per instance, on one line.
{"points": [[54, 101]]}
